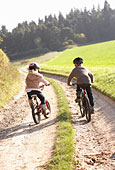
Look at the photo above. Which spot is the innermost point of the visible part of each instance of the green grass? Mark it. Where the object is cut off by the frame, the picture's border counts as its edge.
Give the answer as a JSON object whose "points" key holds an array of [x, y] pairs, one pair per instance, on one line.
{"points": [[98, 58], [63, 156]]}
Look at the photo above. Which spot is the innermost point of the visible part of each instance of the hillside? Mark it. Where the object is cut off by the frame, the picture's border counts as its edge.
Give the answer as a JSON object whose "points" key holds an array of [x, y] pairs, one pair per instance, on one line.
{"points": [[9, 79], [99, 58]]}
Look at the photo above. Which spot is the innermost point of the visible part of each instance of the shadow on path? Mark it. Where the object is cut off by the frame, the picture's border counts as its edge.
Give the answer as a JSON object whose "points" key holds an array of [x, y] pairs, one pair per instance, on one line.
{"points": [[23, 129]]}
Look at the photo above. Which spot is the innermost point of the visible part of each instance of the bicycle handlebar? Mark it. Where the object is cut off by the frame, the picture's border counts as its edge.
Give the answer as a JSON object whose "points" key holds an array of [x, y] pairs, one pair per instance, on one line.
{"points": [[42, 86], [73, 84]]}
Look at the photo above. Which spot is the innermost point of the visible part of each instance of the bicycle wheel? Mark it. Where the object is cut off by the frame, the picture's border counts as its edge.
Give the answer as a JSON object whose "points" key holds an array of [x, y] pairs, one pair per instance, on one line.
{"points": [[36, 114], [87, 109], [81, 106], [48, 110]]}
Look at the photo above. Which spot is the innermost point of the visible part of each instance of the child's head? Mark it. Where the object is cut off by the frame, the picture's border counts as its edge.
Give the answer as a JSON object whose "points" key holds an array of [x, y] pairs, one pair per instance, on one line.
{"points": [[78, 61], [34, 66]]}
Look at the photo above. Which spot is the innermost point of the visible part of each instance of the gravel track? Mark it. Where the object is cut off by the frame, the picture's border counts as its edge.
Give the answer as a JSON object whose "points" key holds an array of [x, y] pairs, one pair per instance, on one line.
{"points": [[94, 141]]}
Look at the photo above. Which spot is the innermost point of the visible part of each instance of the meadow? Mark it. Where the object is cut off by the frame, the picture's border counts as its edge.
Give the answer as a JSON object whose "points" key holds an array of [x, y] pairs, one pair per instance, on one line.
{"points": [[98, 58]]}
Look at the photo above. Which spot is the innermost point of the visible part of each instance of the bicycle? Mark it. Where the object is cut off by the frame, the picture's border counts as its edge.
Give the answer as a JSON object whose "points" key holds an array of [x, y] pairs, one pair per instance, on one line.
{"points": [[84, 104], [37, 109]]}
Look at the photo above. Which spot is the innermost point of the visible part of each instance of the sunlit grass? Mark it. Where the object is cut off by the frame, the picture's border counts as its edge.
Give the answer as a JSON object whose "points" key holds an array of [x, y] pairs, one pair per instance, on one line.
{"points": [[10, 82], [23, 62], [98, 58]]}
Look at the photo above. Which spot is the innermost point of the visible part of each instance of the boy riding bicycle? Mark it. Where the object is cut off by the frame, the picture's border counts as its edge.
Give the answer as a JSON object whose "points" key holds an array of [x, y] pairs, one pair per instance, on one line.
{"points": [[33, 80], [84, 80]]}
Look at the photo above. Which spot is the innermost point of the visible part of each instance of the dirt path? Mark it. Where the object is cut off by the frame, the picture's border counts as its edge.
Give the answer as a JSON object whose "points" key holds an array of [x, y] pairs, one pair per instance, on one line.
{"points": [[94, 141], [26, 146]]}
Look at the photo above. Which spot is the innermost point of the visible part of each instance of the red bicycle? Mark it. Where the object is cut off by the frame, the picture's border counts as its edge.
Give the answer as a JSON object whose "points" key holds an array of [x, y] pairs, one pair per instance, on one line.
{"points": [[37, 109]]}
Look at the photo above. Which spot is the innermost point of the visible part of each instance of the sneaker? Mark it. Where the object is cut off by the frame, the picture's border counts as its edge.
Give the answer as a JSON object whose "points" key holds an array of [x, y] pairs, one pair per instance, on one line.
{"points": [[43, 108], [77, 100], [92, 109], [47, 111]]}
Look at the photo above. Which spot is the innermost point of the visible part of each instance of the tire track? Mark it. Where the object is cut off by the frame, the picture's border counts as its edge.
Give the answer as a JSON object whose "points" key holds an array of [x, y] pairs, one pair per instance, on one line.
{"points": [[94, 141], [23, 144]]}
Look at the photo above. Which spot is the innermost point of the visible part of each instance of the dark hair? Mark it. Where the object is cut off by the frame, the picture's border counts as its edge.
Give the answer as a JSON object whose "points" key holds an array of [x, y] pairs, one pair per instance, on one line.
{"points": [[78, 60]]}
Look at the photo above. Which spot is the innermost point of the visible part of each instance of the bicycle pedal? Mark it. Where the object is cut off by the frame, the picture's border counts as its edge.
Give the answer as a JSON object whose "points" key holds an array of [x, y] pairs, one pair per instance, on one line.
{"points": [[77, 100], [43, 112], [92, 112]]}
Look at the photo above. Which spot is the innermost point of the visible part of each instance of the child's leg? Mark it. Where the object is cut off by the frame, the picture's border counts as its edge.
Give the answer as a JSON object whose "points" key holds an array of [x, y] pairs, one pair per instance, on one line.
{"points": [[40, 96], [90, 95], [78, 92], [29, 99], [42, 99], [89, 92]]}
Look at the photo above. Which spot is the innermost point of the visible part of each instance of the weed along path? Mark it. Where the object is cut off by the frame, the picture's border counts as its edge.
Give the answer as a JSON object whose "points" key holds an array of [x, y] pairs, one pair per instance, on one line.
{"points": [[94, 141], [26, 146]]}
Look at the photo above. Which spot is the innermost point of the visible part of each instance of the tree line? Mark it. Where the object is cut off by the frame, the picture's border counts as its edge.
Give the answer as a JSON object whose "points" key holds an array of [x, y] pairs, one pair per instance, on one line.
{"points": [[57, 33]]}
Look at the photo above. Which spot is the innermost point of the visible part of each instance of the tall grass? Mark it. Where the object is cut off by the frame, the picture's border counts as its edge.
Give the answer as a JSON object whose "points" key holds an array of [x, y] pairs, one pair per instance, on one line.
{"points": [[98, 58], [9, 79]]}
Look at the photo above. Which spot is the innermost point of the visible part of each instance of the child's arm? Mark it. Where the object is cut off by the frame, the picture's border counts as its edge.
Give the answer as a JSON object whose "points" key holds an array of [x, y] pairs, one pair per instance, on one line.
{"points": [[44, 81], [91, 77], [70, 77]]}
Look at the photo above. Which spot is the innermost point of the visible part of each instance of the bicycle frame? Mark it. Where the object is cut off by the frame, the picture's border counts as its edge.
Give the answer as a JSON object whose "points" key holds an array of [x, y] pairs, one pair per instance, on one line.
{"points": [[37, 102], [37, 108], [84, 104]]}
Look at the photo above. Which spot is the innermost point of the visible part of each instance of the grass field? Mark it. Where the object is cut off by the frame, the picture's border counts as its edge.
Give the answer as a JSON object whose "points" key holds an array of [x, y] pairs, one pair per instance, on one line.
{"points": [[98, 58]]}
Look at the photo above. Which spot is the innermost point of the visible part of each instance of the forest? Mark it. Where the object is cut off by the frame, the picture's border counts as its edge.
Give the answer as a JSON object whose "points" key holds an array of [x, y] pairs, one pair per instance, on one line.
{"points": [[78, 27]]}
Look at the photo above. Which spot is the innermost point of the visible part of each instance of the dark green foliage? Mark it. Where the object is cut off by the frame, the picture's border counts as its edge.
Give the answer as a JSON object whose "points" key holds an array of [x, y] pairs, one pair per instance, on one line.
{"points": [[54, 34]]}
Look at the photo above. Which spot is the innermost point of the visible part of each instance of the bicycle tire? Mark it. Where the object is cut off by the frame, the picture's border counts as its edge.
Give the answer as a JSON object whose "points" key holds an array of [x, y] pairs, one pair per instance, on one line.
{"points": [[49, 110], [36, 115], [81, 106], [87, 109]]}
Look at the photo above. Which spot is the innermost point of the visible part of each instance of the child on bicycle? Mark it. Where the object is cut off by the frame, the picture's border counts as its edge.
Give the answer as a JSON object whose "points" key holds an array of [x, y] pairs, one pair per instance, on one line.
{"points": [[33, 80], [84, 80]]}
